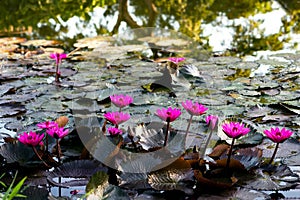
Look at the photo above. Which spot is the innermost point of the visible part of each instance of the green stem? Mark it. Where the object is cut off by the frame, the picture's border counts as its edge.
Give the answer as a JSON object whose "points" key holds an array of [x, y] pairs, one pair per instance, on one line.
{"points": [[167, 132], [58, 150], [47, 143], [229, 154], [56, 74], [275, 151], [189, 124], [187, 129], [38, 155], [206, 143]]}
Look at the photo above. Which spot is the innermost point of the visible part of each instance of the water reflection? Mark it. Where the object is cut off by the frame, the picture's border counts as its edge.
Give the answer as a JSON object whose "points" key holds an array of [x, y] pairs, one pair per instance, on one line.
{"points": [[234, 27]]}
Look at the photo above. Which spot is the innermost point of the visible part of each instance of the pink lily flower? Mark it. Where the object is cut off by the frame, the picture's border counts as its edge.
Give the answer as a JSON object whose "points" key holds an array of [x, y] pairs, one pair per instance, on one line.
{"points": [[58, 57], [121, 100], [46, 124], [211, 120], [169, 114], [31, 138], [57, 132], [176, 60], [117, 118], [277, 135], [114, 131], [194, 108], [235, 129]]}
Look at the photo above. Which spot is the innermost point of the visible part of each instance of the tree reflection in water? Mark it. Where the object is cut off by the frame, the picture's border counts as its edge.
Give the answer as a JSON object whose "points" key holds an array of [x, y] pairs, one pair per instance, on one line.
{"points": [[241, 31]]}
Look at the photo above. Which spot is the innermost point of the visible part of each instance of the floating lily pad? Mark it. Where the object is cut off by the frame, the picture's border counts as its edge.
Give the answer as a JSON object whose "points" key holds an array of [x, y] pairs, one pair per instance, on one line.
{"points": [[172, 180], [79, 170]]}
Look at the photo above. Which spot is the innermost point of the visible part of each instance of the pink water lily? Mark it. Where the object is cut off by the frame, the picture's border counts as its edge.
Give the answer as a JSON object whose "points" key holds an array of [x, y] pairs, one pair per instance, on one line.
{"points": [[46, 124], [114, 131], [194, 108], [57, 132], [116, 118], [277, 135], [58, 57], [169, 114], [235, 129], [176, 60], [211, 120], [121, 100], [31, 138]]}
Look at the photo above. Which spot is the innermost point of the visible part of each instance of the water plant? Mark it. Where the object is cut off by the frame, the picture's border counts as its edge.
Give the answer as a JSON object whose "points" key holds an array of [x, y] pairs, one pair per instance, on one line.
{"points": [[168, 115], [58, 59], [32, 139], [211, 121], [116, 118], [121, 100], [277, 135], [194, 109], [13, 191], [234, 130], [58, 133]]}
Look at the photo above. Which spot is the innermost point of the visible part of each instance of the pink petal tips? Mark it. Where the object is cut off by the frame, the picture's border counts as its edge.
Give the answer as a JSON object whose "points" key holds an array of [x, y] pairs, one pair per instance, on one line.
{"points": [[194, 108], [277, 135], [169, 114], [121, 100], [235, 129]]}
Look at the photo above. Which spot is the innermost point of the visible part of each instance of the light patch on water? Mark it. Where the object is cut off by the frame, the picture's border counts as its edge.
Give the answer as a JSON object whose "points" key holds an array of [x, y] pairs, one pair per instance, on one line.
{"points": [[262, 70]]}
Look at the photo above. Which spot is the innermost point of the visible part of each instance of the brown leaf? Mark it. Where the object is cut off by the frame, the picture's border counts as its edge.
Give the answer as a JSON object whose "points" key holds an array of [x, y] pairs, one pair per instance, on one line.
{"points": [[253, 152], [10, 140], [219, 150], [216, 184], [62, 121], [233, 164]]}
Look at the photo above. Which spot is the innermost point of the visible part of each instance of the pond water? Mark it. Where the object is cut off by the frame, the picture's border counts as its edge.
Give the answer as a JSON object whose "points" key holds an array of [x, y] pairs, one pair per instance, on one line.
{"points": [[259, 85]]}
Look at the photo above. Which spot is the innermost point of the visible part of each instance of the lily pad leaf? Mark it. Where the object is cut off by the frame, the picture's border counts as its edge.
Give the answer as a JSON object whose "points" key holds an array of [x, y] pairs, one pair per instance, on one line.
{"points": [[134, 181], [172, 180], [79, 170], [16, 152]]}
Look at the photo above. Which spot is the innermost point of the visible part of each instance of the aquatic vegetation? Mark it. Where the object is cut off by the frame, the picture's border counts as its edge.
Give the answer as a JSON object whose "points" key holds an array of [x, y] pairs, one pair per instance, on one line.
{"points": [[121, 100], [211, 121], [277, 136], [58, 59], [116, 118], [31, 139], [213, 146], [168, 115], [114, 131], [194, 108], [233, 130], [176, 60]]}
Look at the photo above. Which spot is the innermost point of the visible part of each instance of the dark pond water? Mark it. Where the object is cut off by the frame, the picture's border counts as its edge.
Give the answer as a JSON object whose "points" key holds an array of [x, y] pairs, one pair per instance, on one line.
{"points": [[240, 27], [255, 85]]}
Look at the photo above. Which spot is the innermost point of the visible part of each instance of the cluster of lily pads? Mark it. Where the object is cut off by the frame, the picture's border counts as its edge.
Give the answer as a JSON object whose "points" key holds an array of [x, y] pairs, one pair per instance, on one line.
{"points": [[193, 165], [233, 129]]}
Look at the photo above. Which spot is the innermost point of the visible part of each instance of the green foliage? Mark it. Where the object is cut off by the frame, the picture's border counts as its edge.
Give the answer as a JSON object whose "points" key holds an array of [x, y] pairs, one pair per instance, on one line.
{"points": [[188, 15], [13, 191]]}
